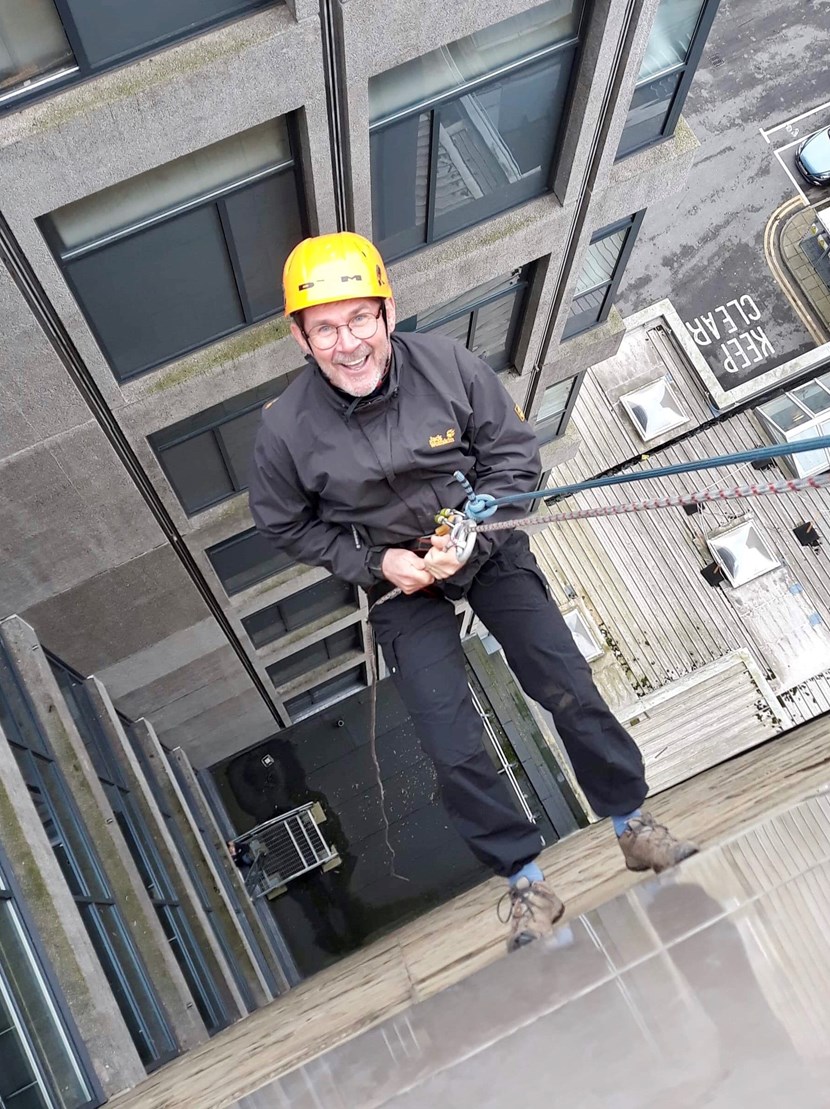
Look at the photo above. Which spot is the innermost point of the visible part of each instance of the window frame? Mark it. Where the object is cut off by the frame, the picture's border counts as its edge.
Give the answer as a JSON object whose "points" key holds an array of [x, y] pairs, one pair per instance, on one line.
{"points": [[546, 430], [355, 647], [433, 105], [686, 70], [42, 86], [235, 541], [280, 383], [521, 292], [160, 885], [631, 225], [93, 894], [214, 199], [10, 894], [317, 706], [809, 427], [328, 581]]}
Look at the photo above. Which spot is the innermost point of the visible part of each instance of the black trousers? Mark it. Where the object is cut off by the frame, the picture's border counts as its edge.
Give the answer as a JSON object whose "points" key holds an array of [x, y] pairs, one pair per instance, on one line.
{"points": [[420, 642]]}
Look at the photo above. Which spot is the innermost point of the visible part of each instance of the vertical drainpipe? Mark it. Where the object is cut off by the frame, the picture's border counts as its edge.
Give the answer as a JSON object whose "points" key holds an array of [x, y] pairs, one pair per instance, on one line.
{"points": [[337, 117]]}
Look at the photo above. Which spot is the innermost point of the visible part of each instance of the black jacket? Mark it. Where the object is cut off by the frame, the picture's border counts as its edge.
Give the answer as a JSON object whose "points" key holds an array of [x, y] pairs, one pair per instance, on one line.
{"points": [[332, 480]]}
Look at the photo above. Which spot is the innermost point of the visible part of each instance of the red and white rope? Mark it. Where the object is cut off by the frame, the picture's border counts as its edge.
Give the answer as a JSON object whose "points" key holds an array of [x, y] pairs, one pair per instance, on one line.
{"points": [[674, 500]]}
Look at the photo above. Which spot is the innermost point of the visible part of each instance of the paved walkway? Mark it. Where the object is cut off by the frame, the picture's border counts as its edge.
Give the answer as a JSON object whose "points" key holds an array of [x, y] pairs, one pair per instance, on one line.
{"points": [[463, 936]]}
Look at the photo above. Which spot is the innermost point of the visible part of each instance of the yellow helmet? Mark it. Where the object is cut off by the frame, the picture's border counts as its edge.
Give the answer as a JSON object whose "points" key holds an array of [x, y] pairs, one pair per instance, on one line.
{"points": [[327, 268]]}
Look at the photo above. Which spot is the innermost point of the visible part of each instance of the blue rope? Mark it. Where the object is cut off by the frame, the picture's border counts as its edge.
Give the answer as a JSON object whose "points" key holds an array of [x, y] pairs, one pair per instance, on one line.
{"points": [[757, 454]]}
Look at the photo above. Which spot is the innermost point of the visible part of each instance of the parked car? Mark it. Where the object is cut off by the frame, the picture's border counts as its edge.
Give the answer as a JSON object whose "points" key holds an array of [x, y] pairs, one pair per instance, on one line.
{"points": [[813, 158]]}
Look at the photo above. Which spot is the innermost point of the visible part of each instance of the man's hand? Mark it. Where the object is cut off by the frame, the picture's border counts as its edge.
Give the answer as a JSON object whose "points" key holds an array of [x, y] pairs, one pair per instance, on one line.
{"points": [[406, 570], [441, 561]]}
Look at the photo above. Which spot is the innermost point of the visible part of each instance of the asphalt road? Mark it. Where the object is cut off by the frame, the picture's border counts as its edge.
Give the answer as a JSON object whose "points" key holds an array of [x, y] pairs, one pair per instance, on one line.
{"points": [[765, 63]]}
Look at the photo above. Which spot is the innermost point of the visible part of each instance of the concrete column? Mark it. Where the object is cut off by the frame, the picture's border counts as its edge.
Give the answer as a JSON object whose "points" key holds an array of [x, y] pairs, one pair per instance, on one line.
{"points": [[57, 725], [62, 934], [179, 757], [221, 903], [185, 892]]}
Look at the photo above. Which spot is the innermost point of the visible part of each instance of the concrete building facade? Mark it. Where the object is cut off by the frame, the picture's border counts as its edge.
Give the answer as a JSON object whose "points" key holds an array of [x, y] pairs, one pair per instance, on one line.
{"points": [[155, 169]]}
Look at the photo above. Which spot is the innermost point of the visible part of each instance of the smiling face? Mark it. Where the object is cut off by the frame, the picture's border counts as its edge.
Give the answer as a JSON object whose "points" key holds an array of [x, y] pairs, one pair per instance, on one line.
{"points": [[354, 365]]}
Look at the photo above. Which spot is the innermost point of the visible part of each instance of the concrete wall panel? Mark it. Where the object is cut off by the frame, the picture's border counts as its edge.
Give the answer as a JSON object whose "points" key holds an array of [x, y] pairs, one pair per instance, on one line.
{"points": [[120, 611], [69, 512], [39, 400]]}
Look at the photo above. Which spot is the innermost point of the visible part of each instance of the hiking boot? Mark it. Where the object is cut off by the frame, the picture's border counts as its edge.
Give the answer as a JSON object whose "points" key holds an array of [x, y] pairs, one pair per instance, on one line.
{"points": [[650, 846], [533, 910]]}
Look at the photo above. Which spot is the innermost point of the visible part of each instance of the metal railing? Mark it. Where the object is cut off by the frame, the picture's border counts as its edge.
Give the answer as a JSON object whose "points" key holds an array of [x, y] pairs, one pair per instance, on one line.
{"points": [[285, 848]]}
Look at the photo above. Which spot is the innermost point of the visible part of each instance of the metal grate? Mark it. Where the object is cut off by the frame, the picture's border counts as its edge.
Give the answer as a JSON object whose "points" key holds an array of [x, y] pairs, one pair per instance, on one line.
{"points": [[284, 848]]}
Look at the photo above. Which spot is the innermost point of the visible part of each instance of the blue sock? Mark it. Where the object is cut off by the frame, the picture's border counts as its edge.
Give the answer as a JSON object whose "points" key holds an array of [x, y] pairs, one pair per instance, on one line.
{"points": [[620, 822], [530, 871]]}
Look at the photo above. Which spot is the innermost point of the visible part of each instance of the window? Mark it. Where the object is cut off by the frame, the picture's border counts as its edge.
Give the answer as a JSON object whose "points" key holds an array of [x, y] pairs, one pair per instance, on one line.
{"points": [[299, 610], [141, 845], [673, 51], [186, 253], [333, 689], [601, 274], [207, 457], [555, 409], [332, 648], [802, 413], [38, 1065], [45, 43], [207, 830], [486, 320], [470, 129], [81, 867], [219, 922], [246, 559]]}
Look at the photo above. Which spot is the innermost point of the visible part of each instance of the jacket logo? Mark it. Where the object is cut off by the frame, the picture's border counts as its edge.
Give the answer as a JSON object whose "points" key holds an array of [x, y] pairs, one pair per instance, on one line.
{"points": [[443, 440]]}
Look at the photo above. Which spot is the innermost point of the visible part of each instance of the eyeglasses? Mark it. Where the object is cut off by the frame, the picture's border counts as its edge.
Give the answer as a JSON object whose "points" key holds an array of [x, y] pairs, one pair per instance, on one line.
{"points": [[363, 326]]}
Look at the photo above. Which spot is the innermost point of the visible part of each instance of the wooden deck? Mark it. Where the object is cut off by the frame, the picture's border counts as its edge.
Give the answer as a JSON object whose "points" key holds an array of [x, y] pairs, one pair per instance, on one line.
{"points": [[455, 940]]}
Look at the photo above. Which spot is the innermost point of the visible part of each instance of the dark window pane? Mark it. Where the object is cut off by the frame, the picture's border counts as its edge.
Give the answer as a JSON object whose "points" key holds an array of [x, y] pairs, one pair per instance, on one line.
{"points": [[32, 42], [550, 419], [601, 260], [349, 682], [332, 647], [650, 107], [238, 437], [220, 413], [298, 610], [194, 463], [33, 1000], [496, 145], [246, 560], [586, 310], [400, 180], [496, 306], [495, 328], [671, 36], [160, 293], [458, 328], [476, 55], [164, 189], [129, 983], [117, 27], [318, 600], [265, 225], [197, 472]]}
